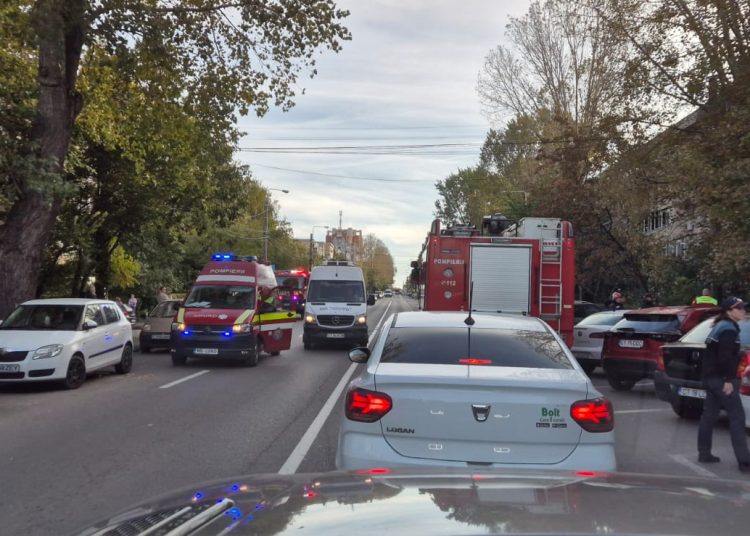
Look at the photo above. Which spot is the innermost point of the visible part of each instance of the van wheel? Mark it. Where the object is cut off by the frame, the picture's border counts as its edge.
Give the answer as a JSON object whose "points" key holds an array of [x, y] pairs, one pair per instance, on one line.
{"points": [[252, 358], [179, 360], [76, 374], [618, 383], [126, 361]]}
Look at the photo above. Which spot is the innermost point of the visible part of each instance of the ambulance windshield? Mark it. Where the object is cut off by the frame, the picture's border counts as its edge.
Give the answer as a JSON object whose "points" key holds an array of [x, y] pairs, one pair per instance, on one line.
{"points": [[221, 297], [290, 281], [336, 291]]}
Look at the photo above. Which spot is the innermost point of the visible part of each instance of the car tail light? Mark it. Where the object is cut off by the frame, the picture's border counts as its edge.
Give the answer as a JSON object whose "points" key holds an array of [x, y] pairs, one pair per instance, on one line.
{"points": [[474, 361], [743, 371], [367, 406], [660, 359], [593, 415]]}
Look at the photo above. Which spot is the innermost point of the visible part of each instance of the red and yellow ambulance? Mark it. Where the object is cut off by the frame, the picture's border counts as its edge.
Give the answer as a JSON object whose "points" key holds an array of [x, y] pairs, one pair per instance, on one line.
{"points": [[229, 313]]}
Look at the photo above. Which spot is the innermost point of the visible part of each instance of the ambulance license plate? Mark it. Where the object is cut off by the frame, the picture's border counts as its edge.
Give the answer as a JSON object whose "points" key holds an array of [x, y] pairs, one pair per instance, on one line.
{"points": [[207, 351], [691, 393], [335, 335]]}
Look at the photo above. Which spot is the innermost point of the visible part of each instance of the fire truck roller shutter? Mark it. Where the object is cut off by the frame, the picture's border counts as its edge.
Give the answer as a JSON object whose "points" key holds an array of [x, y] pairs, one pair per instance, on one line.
{"points": [[502, 278]]}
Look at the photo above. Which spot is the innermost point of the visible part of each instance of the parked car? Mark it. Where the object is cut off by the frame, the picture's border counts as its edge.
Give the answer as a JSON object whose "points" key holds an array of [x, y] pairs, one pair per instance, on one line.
{"points": [[631, 347], [678, 371], [128, 311], [157, 327], [493, 390], [63, 340], [582, 309], [587, 349]]}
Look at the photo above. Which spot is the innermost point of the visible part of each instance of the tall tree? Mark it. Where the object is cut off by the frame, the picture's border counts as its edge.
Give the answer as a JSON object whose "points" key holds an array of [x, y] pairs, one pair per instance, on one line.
{"points": [[241, 55]]}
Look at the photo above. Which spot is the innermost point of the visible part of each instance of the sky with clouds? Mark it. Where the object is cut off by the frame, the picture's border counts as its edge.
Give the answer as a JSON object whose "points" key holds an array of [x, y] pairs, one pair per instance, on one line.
{"points": [[407, 77]]}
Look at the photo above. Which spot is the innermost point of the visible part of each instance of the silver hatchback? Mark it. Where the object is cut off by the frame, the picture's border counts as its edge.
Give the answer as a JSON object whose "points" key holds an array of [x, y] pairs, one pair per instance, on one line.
{"points": [[495, 390]]}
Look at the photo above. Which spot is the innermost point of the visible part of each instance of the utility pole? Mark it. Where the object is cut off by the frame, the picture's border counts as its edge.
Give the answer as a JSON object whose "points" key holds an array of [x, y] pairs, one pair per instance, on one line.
{"points": [[265, 223]]}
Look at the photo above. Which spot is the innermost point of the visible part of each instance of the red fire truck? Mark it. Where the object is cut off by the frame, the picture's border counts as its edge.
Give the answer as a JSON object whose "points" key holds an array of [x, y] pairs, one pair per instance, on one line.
{"points": [[292, 285], [525, 267], [225, 314]]}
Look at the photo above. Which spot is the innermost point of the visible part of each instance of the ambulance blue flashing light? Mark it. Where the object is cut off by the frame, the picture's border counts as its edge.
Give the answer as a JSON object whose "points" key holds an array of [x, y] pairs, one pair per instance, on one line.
{"points": [[233, 257]]}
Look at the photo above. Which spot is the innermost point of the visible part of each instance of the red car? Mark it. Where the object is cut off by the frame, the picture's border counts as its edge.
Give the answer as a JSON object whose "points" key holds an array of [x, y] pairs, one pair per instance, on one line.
{"points": [[631, 347]]}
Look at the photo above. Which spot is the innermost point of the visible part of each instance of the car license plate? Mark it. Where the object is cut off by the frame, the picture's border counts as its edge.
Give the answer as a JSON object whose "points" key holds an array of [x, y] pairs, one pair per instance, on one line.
{"points": [[335, 335], [160, 336], [690, 392], [207, 351], [10, 368], [631, 343]]}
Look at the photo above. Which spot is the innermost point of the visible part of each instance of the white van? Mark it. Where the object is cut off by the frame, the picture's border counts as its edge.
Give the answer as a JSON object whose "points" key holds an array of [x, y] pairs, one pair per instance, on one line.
{"points": [[336, 308]]}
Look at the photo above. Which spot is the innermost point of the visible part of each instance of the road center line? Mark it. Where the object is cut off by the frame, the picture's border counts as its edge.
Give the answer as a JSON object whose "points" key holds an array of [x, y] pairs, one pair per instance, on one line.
{"points": [[702, 471], [303, 447], [623, 411], [186, 378]]}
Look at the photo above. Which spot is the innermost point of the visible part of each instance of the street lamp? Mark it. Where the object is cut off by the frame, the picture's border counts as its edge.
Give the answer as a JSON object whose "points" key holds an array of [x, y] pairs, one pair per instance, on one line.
{"points": [[265, 226], [312, 241]]}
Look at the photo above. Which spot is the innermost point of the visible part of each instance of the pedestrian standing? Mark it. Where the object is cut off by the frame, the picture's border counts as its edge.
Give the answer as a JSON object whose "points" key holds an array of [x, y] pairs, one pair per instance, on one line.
{"points": [[161, 295], [91, 291], [705, 298], [618, 300], [647, 301], [133, 302], [719, 372]]}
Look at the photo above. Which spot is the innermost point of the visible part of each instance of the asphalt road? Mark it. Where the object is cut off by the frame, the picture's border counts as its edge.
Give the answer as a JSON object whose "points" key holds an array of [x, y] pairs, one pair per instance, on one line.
{"points": [[68, 458]]}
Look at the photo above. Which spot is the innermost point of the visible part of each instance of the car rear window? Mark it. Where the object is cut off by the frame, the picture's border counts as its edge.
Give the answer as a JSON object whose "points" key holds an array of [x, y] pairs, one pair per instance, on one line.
{"points": [[648, 323], [699, 333], [600, 319], [489, 347]]}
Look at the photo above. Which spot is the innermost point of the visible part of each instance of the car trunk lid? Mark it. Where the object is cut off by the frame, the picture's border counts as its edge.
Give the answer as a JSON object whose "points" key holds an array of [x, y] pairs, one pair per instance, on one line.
{"points": [[481, 414]]}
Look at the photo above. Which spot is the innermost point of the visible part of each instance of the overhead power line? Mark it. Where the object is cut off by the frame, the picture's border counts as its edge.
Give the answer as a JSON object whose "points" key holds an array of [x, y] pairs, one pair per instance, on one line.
{"points": [[348, 177]]}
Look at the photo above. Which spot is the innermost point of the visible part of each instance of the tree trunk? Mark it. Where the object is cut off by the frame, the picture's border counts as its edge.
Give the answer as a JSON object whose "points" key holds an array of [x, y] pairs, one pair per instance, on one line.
{"points": [[24, 235]]}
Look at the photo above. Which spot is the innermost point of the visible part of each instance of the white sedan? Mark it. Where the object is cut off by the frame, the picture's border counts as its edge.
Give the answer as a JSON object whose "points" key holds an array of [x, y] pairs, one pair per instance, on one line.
{"points": [[587, 349], [63, 340], [441, 389]]}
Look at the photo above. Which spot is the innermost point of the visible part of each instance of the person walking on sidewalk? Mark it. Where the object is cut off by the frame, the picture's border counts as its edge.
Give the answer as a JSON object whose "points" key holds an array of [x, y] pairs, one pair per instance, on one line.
{"points": [[719, 371]]}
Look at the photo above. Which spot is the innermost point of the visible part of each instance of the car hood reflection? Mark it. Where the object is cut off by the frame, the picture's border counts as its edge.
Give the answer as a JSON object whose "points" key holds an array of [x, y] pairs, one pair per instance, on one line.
{"points": [[446, 502]]}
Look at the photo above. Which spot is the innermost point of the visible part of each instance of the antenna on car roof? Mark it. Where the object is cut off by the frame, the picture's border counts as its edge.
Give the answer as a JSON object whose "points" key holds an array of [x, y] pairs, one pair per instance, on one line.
{"points": [[469, 321]]}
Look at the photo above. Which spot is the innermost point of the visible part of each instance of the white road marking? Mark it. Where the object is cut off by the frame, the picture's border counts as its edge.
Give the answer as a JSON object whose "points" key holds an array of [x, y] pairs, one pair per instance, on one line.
{"points": [[311, 434], [702, 471], [623, 411], [186, 378]]}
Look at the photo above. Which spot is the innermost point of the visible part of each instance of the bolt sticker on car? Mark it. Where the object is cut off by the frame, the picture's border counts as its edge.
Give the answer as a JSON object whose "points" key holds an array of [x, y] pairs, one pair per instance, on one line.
{"points": [[551, 418]]}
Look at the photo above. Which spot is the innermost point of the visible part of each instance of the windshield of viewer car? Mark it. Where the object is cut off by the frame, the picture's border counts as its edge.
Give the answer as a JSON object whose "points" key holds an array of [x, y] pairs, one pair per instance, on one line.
{"points": [[336, 291], [503, 348], [644, 323], [221, 297], [44, 317]]}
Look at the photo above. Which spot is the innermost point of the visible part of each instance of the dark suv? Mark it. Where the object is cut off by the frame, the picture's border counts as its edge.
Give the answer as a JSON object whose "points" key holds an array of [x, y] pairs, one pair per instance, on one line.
{"points": [[631, 347], [678, 370]]}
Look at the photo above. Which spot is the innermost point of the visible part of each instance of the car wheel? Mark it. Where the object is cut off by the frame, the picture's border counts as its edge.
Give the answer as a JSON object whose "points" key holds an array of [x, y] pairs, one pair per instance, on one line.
{"points": [[252, 358], [588, 368], [179, 360], [618, 383], [126, 361], [685, 409], [76, 374]]}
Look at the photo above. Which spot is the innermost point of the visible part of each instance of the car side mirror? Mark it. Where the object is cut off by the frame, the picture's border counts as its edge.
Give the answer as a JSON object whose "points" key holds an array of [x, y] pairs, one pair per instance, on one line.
{"points": [[359, 355], [371, 300], [89, 324]]}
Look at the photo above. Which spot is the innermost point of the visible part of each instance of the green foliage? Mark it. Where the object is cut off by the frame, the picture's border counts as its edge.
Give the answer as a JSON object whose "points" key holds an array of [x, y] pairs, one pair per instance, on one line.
{"points": [[125, 269]]}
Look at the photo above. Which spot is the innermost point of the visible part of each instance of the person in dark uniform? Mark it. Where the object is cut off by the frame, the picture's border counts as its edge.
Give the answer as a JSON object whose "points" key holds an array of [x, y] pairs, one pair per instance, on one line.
{"points": [[719, 371]]}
